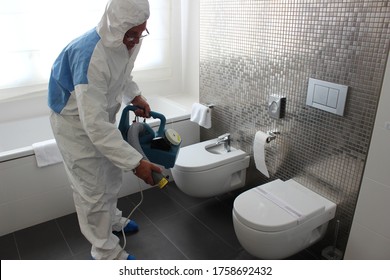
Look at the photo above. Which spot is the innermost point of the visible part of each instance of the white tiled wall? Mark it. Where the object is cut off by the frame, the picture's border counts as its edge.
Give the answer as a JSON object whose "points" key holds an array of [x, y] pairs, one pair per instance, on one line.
{"points": [[370, 233]]}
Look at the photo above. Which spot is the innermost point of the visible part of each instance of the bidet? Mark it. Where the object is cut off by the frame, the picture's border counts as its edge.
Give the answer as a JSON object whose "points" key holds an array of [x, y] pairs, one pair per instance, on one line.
{"points": [[207, 169]]}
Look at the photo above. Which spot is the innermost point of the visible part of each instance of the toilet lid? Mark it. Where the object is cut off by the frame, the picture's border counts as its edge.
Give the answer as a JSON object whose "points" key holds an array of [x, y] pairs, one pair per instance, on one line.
{"points": [[277, 206]]}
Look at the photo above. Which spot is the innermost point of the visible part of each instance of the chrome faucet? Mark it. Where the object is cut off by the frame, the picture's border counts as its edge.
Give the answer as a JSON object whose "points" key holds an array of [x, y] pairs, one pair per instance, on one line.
{"points": [[225, 139]]}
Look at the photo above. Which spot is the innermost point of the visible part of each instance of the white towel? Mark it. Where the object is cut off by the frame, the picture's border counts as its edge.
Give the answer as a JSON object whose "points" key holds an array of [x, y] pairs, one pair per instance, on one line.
{"points": [[47, 153], [201, 114]]}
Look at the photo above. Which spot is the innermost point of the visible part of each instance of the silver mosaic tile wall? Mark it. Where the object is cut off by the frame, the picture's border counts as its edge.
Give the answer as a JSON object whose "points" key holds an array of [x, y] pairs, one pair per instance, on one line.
{"points": [[251, 49]]}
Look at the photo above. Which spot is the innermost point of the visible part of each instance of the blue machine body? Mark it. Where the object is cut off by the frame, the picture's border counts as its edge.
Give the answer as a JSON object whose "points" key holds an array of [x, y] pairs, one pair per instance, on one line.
{"points": [[166, 158]]}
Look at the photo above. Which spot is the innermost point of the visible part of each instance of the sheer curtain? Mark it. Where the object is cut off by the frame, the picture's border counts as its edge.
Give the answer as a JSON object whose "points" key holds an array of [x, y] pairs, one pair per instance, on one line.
{"points": [[35, 31]]}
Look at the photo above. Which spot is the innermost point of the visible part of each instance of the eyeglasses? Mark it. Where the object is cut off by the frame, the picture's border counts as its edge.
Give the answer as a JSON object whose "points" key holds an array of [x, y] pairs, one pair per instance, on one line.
{"points": [[132, 38]]}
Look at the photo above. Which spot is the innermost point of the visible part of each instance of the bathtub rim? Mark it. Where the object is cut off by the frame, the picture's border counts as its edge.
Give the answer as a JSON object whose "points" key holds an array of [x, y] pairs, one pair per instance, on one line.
{"points": [[16, 153]]}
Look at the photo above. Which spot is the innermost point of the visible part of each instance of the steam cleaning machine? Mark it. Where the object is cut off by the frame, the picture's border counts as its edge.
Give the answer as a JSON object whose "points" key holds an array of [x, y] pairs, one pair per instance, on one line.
{"points": [[160, 147]]}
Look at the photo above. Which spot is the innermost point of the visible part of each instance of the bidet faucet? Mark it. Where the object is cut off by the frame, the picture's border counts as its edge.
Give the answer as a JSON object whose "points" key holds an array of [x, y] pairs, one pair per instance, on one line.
{"points": [[225, 139]]}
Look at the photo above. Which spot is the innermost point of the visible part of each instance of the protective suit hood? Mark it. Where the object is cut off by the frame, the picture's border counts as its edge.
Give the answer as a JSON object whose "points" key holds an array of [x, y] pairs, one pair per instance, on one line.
{"points": [[119, 17]]}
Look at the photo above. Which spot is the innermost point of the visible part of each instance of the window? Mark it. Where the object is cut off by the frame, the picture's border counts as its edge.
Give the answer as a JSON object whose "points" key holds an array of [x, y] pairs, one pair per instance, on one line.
{"points": [[34, 32]]}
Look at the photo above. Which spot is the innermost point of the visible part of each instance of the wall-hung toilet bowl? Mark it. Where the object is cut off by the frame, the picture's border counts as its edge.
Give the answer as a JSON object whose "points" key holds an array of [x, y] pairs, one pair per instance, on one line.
{"points": [[279, 219], [205, 169]]}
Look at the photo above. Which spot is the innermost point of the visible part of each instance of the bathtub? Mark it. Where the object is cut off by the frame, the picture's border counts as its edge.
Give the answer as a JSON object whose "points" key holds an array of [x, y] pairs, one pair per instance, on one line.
{"points": [[30, 195]]}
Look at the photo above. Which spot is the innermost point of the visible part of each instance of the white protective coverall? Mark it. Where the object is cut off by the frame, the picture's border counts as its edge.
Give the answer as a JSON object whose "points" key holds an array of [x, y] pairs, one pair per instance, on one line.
{"points": [[88, 82]]}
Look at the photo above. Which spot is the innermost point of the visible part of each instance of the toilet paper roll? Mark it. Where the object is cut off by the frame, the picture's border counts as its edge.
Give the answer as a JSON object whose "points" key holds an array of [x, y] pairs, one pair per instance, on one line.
{"points": [[259, 152]]}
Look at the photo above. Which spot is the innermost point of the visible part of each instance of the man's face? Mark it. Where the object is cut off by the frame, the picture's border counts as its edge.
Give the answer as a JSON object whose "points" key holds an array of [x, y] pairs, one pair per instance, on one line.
{"points": [[132, 36]]}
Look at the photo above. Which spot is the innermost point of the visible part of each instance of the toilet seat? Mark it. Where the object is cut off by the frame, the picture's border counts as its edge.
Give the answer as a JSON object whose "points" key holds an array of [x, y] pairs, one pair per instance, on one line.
{"points": [[196, 158], [278, 206]]}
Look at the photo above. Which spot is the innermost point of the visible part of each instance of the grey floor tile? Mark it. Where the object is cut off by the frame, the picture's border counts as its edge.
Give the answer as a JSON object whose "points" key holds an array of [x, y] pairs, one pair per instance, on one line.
{"points": [[150, 244], [85, 255], [42, 242], [217, 217], [156, 205], [8, 247], [192, 238], [70, 228]]}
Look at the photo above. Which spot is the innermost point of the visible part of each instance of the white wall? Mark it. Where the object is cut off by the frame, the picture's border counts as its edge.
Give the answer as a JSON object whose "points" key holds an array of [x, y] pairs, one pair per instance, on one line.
{"points": [[370, 232], [184, 79], [190, 45]]}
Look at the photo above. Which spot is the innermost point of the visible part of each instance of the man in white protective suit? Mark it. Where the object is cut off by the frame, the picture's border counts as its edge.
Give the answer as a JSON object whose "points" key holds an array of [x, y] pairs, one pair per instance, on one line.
{"points": [[89, 80]]}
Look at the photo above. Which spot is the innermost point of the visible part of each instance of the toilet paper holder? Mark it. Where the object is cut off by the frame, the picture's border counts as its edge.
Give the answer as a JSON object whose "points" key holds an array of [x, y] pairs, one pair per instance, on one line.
{"points": [[272, 135]]}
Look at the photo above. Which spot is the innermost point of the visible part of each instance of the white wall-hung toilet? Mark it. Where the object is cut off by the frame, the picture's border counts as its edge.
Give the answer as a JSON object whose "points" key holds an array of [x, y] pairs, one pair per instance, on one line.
{"points": [[207, 169], [279, 219]]}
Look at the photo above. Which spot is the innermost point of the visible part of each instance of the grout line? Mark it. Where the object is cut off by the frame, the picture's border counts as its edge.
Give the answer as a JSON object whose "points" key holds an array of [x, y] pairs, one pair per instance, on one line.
{"points": [[212, 231], [63, 236], [186, 209], [16, 245], [159, 230]]}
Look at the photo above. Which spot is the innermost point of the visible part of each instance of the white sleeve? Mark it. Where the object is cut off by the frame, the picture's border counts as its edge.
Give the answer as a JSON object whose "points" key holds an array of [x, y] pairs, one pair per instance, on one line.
{"points": [[130, 88]]}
